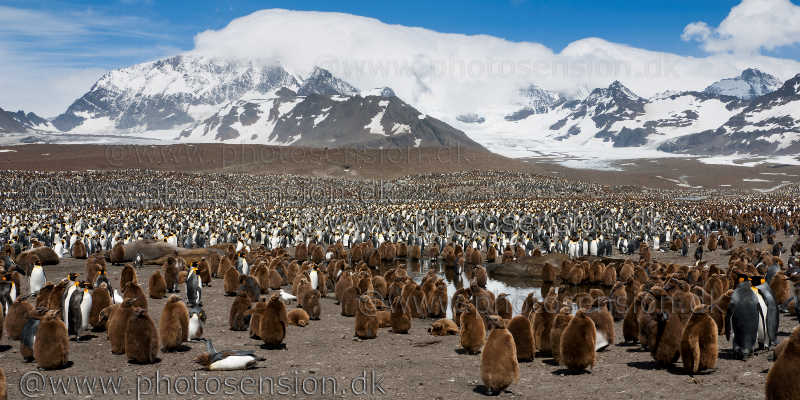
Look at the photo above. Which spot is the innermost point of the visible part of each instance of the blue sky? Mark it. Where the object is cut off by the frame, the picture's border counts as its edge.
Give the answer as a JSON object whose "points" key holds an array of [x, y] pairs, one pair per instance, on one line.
{"points": [[90, 36]]}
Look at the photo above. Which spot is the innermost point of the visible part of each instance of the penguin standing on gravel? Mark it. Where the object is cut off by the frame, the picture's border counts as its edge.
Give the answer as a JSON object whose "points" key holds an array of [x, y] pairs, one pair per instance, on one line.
{"points": [[193, 287], [79, 306], [748, 317]]}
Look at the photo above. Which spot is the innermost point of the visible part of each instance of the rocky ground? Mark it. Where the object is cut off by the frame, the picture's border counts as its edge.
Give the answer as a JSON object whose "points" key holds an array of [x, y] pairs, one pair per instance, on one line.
{"points": [[415, 365]]}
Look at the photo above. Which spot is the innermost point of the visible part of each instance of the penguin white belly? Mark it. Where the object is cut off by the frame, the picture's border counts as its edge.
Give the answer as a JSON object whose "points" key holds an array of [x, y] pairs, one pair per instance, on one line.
{"points": [[762, 333], [117, 298], [13, 292], [314, 279], [232, 363], [195, 327], [66, 304], [86, 308], [37, 280], [245, 268]]}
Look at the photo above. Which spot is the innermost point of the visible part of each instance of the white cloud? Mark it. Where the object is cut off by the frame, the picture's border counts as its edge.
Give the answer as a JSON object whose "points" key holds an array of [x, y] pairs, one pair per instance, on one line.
{"points": [[446, 73], [49, 59], [751, 26]]}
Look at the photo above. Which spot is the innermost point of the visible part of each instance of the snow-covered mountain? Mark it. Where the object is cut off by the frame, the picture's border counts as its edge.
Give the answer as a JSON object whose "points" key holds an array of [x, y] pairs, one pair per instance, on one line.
{"points": [[169, 93], [769, 124], [194, 98], [338, 120], [615, 122], [750, 84], [534, 100], [20, 122], [200, 99]]}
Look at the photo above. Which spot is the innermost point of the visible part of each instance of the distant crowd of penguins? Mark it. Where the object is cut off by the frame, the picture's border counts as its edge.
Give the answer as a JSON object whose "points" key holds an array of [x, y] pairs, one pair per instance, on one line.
{"points": [[674, 311], [270, 255]]}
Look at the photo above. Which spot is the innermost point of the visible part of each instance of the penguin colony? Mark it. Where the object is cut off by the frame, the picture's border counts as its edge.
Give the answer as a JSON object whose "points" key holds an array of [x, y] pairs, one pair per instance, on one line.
{"points": [[278, 266]]}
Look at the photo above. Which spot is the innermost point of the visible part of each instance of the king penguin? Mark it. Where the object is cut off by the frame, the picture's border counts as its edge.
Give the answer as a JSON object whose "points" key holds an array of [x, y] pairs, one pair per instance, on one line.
{"points": [[37, 278], [80, 305], [193, 287]]}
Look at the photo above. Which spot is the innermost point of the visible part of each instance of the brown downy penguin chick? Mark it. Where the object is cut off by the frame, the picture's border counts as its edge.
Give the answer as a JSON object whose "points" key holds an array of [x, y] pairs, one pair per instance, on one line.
{"points": [[401, 321], [261, 273], [238, 316], [55, 301], [699, 342], [16, 317], [225, 265], [577, 345], [43, 297], [720, 309], [101, 299], [104, 315], [117, 326], [174, 324], [231, 282], [666, 347], [134, 291], [344, 283], [79, 250], [619, 301], [473, 331], [51, 347], [630, 325], [543, 321], [499, 366], [528, 305], [559, 324], [297, 317], [436, 303], [255, 317], [171, 275], [781, 288], [502, 306], [479, 274], [272, 329], [204, 272], [349, 302], [366, 319], [603, 323], [141, 338], [311, 304], [379, 283], [128, 274], [443, 327], [275, 279], [522, 331], [782, 382], [157, 286], [250, 286]]}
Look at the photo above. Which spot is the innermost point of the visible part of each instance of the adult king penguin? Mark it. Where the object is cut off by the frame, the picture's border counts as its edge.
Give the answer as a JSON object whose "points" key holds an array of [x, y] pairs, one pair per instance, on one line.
{"points": [[193, 287]]}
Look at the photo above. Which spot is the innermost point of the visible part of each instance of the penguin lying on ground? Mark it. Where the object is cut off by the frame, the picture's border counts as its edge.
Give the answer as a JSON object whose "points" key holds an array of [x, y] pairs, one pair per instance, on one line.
{"points": [[227, 360]]}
